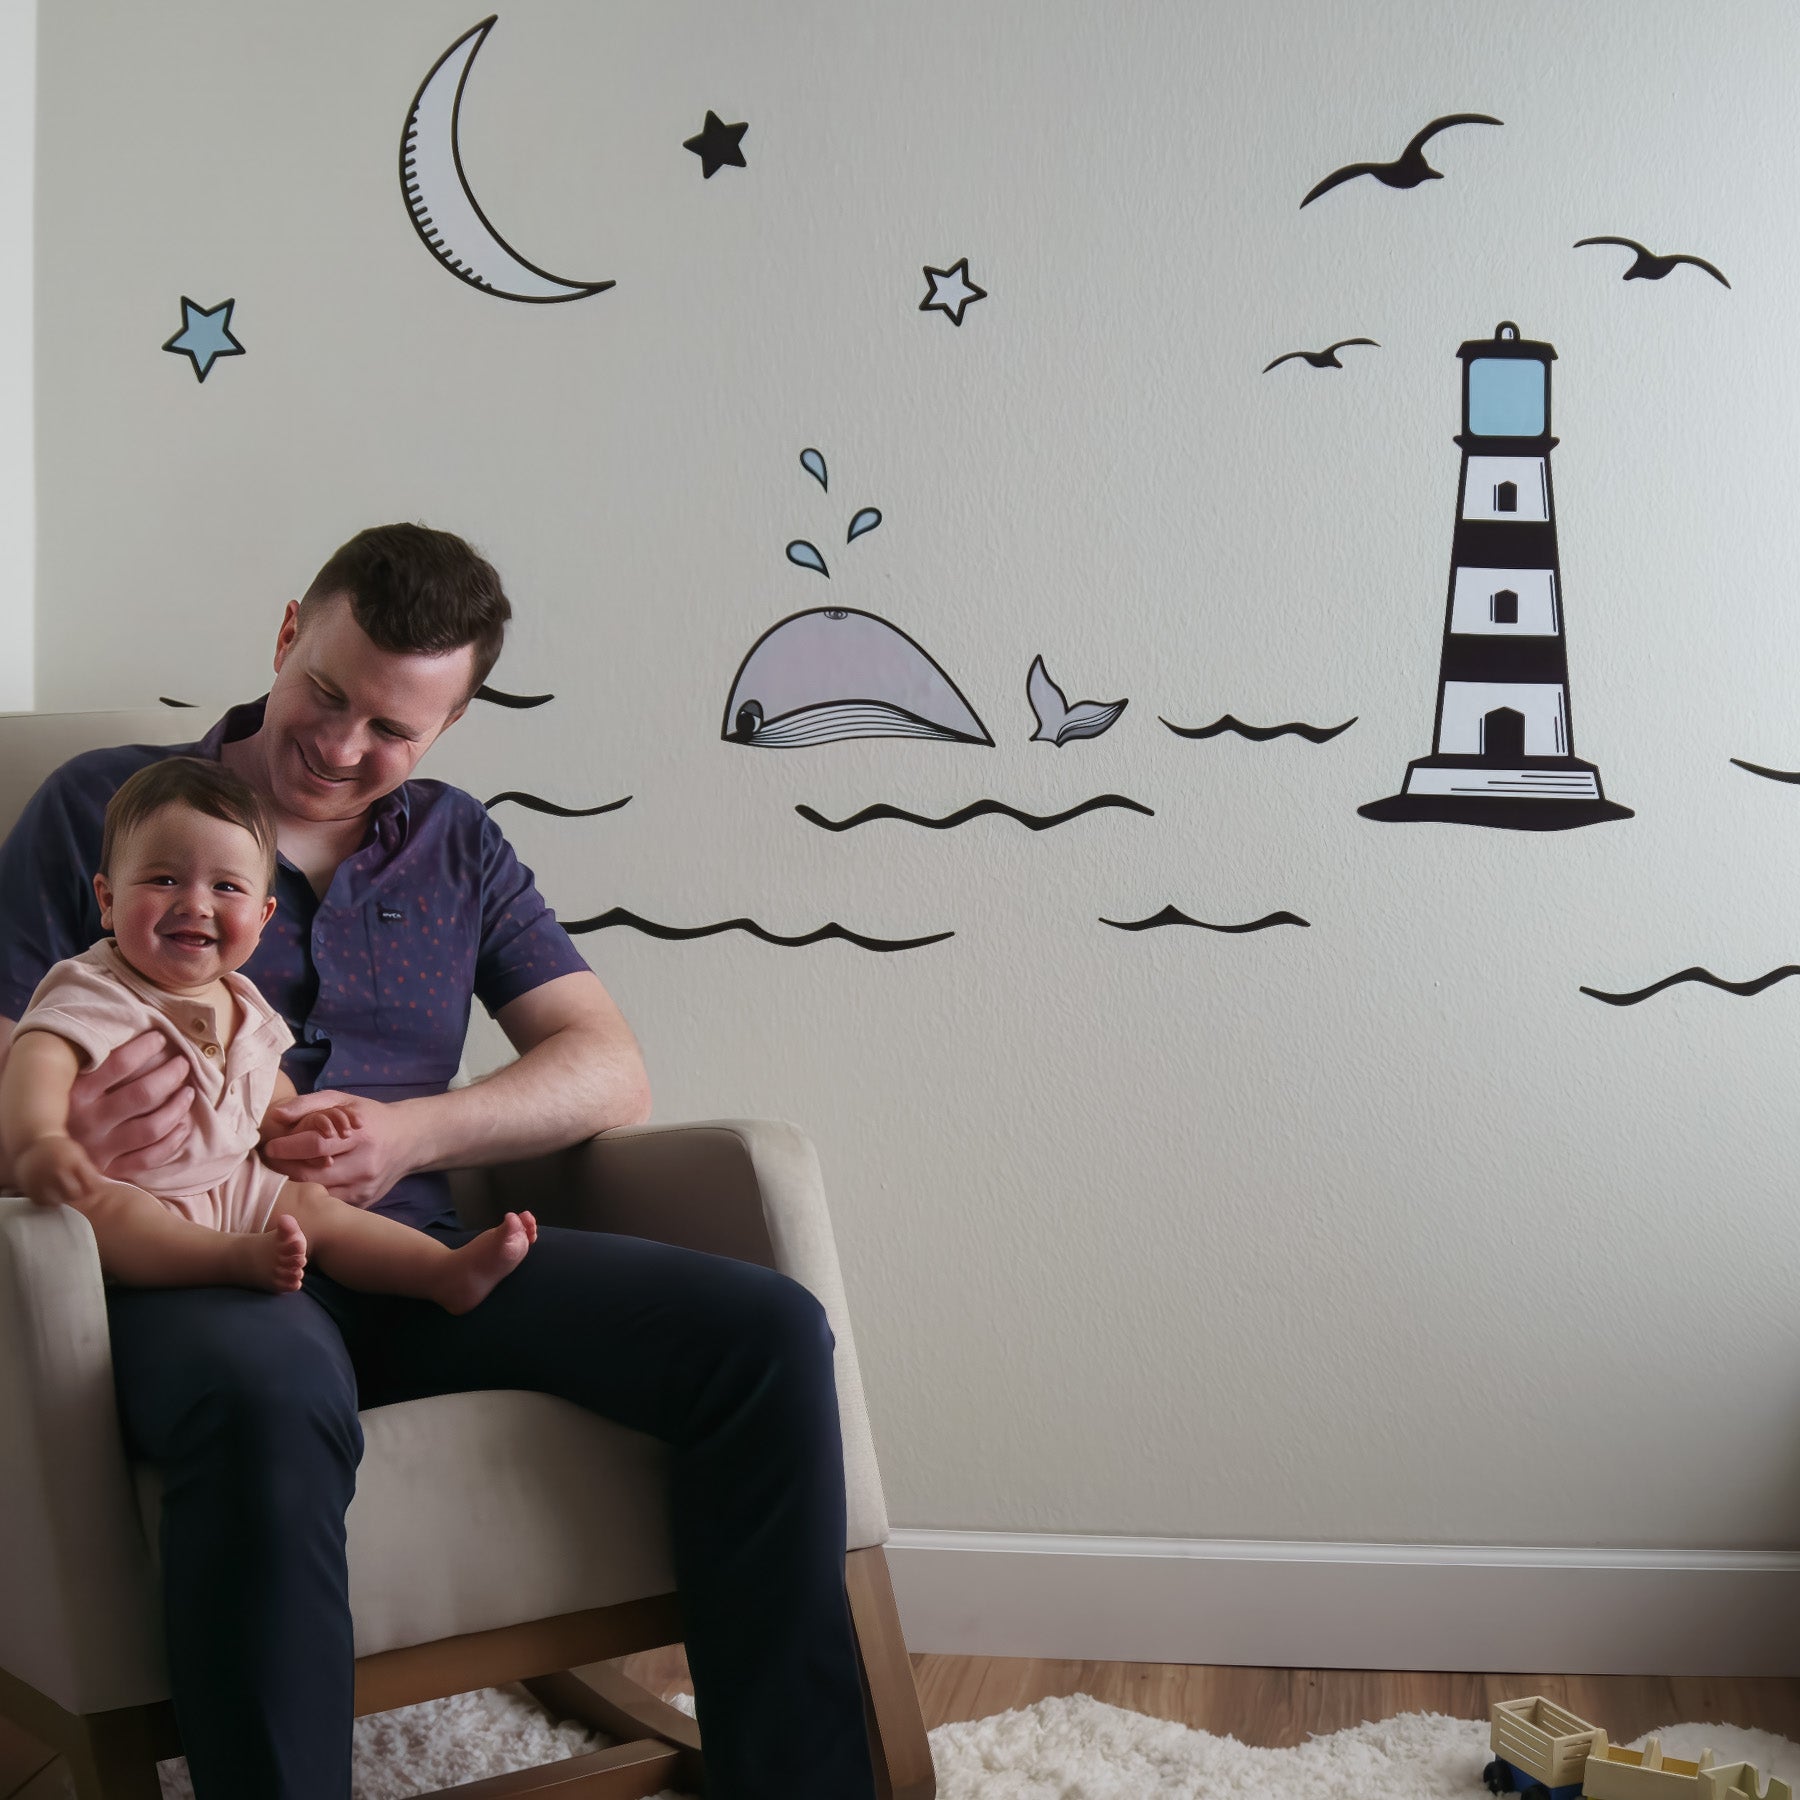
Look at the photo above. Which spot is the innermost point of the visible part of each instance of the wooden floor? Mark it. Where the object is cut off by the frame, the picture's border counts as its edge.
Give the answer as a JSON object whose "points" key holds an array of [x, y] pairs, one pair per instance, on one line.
{"points": [[1258, 1706]]}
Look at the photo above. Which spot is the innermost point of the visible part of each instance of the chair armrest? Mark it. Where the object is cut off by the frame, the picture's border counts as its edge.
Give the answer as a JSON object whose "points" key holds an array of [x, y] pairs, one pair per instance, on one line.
{"points": [[79, 1607], [744, 1188]]}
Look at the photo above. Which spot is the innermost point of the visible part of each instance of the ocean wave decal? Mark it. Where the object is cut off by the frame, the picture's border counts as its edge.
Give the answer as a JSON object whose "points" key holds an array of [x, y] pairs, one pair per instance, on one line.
{"points": [[1743, 989], [164, 698], [1260, 734], [618, 915], [1767, 774], [976, 810], [1171, 916], [484, 692], [537, 804]]}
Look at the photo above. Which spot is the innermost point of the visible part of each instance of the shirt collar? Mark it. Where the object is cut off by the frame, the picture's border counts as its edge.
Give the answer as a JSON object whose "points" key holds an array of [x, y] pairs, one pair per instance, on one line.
{"points": [[390, 815]]}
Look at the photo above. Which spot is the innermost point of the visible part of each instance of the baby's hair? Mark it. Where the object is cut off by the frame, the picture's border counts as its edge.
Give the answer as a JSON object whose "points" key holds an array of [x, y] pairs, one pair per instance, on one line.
{"points": [[206, 787]]}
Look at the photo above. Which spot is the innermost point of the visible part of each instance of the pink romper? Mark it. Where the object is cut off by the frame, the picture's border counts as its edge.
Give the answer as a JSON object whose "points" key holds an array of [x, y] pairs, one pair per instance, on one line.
{"points": [[97, 1001]]}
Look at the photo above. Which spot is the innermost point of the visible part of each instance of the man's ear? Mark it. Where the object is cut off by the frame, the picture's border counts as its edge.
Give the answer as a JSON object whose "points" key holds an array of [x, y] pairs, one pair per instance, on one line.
{"points": [[455, 716], [290, 629], [103, 893]]}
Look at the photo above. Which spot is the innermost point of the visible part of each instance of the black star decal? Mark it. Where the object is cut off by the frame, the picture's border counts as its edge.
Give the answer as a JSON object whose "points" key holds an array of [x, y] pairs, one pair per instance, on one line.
{"points": [[717, 145]]}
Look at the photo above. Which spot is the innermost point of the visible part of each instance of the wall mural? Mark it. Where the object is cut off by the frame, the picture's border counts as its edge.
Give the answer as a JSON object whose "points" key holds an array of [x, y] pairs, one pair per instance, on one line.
{"points": [[440, 202], [1502, 754], [1409, 168], [205, 335], [1504, 749]]}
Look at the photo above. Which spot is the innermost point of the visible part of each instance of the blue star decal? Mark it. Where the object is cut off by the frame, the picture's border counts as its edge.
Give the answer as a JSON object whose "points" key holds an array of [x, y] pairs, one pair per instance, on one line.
{"points": [[204, 335]]}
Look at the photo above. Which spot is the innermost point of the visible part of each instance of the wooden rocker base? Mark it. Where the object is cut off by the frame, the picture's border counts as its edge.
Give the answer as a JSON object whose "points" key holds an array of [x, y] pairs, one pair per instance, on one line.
{"points": [[567, 1664]]}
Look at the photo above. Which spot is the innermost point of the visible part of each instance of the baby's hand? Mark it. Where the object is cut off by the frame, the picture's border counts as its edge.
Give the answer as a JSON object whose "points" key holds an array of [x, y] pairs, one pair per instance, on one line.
{"points": [[56, 1171]]}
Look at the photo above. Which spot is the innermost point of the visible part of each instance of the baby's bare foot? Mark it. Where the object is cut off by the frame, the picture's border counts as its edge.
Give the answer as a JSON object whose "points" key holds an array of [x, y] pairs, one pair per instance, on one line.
{"points": [[474, 1271], [274, 1259]]}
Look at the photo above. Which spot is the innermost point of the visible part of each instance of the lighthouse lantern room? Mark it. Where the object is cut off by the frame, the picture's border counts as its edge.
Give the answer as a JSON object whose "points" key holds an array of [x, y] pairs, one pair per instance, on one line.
{"points": [[1503, 751]]}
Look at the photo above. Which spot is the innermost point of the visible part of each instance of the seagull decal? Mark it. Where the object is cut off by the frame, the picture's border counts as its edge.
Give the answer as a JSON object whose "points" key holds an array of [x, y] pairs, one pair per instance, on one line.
{"points": [[1407, 169], [1320, 359], [1648, 266]]}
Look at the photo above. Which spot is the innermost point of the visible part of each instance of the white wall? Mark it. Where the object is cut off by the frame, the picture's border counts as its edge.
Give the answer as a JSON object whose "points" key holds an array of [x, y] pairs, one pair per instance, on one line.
{"points": [[18, 499], [1379, 1230]]}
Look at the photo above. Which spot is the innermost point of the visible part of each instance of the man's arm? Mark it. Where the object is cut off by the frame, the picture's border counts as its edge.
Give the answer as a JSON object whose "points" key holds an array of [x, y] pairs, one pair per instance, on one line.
{"points": [[579, 1071]]}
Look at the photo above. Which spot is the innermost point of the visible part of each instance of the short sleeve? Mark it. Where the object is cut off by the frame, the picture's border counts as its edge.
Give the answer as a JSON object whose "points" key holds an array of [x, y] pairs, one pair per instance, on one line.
{"points": [[84, 1008], [522, 945], [47, 907]]}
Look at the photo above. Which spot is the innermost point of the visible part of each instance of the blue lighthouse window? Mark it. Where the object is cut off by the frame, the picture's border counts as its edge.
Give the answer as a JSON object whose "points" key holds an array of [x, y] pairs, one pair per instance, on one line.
{"points": [[1506, 396]]}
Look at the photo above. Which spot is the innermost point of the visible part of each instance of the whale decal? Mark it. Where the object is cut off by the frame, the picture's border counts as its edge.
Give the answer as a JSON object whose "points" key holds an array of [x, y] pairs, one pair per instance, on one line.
{"points": [[834, 673]]}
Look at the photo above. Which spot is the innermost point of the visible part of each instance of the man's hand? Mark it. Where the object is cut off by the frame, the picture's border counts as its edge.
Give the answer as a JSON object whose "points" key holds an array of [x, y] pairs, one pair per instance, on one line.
{"points": [[355, 1148], [130, 1114], [56, 1171]]}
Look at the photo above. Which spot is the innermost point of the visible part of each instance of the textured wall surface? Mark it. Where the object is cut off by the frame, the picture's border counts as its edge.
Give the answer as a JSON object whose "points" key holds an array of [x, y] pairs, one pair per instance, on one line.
{"points": [[1379, 1229]]}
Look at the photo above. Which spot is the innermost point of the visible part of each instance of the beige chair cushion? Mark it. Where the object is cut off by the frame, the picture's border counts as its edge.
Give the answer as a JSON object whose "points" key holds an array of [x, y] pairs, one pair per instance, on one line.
{"points": [[434, 1553]]}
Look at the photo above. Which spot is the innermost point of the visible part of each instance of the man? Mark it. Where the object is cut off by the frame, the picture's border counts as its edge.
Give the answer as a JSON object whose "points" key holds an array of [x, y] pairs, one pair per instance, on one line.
{"points": [[399, 901]]}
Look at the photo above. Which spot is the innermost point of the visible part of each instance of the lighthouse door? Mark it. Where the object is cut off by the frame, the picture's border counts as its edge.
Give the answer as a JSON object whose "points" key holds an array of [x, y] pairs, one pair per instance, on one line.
{"points": [[1503, 732]]}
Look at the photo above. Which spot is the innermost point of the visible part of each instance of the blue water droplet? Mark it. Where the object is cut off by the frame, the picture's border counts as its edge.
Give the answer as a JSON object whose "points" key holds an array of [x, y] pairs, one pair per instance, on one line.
{"points": [[814, 464], [807, 556], [866, 520]]}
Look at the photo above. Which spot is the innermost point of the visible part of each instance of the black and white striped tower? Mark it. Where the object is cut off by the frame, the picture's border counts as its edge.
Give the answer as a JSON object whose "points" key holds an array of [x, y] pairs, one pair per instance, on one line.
{"points": [[1503, 751]]}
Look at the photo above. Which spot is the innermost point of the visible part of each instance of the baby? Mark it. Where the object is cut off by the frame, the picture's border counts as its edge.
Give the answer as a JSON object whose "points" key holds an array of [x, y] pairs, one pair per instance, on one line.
{"points": [[186, 867]]}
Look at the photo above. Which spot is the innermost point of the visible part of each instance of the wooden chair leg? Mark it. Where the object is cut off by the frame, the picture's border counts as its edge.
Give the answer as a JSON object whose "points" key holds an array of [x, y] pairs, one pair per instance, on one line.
{"points": [[605, 1699], [902, 1751], [114, 1756]]}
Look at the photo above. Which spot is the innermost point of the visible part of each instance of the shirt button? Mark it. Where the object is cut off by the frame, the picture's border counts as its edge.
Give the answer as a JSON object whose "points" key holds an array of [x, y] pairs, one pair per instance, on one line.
{"points": [[212, 1049], [198, 1025]]}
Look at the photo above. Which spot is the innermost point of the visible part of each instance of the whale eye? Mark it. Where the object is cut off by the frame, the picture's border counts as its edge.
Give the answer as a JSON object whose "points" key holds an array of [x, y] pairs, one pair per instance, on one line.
{"points": [[836, 612], [749, 717]]}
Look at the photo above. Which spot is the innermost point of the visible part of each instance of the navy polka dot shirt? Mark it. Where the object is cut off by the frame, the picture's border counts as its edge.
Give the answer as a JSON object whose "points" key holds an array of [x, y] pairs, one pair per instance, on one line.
{"points": [[375, 980]]}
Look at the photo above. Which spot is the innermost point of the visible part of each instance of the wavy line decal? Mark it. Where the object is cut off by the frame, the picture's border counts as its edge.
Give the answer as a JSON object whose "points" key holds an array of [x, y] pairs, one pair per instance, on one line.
{"points": [[549, 806], [1260, 734], [977, 810], [618, 915], [1743, 989], [1170, 916], [484, 692], [1767, 774], [164, 698]]}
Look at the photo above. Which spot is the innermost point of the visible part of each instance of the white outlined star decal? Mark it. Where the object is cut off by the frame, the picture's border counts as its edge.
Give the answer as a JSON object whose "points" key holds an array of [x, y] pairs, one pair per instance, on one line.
{"points": [[204, 335], [951, 290]]}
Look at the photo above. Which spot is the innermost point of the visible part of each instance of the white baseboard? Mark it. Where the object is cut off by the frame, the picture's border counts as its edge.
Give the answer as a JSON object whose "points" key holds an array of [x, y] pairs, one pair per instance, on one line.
{"points": [[1349, 1606]]}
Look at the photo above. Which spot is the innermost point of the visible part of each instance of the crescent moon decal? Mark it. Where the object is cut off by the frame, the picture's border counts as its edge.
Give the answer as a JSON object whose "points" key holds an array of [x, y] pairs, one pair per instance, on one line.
{"points": [[443, 210]]}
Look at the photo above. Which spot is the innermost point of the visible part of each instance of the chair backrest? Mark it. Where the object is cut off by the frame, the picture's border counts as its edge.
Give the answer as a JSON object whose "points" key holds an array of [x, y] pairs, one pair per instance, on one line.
{"points": [[33, 744]]}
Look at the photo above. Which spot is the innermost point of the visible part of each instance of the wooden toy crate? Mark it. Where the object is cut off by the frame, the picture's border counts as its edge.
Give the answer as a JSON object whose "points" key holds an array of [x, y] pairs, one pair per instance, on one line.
{"points": [[1542, 1739]]}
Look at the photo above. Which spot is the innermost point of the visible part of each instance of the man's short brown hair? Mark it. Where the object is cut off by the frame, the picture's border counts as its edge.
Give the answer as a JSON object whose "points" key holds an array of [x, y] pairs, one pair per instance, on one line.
{"points": [[415, 590], [206, 787]]}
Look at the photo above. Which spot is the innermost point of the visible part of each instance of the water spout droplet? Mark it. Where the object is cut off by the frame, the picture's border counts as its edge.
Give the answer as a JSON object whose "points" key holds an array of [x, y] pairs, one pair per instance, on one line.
{"points": [[814, 464], [866, 520], [807, 556]]}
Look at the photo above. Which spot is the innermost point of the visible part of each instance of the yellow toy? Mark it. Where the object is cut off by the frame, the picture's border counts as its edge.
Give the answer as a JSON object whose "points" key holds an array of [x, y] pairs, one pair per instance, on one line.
{"points": [[1547, 1753]]}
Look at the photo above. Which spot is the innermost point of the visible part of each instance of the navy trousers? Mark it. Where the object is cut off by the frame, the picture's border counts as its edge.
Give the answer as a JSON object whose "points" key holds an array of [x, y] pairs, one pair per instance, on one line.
{"points": [[247, 1404]]}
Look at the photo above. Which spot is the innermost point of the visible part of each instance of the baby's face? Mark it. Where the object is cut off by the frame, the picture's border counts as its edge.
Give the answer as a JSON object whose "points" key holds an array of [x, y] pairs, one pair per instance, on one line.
{"points": [[186, 901]]}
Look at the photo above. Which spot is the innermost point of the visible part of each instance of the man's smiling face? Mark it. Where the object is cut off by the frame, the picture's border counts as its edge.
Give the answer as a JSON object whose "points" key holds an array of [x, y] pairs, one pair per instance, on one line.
{"points": [[347, 721]]}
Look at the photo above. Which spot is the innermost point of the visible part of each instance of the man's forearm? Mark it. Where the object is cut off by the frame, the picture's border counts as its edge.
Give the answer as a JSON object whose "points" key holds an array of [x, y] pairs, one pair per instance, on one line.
{"points": [[560, 1092]]}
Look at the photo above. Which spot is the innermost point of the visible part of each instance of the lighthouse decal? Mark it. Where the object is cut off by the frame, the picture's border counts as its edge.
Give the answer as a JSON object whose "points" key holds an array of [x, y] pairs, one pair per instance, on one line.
{"points": [[1503, 752]]}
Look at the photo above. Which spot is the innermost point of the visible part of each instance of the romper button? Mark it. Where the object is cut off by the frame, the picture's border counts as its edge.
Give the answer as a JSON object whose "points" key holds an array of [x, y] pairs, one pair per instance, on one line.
{"points": [[212, 1049]]}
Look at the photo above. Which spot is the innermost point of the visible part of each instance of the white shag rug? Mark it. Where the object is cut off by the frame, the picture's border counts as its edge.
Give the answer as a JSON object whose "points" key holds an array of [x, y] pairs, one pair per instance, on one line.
{"points": [[1073, 1748]]}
